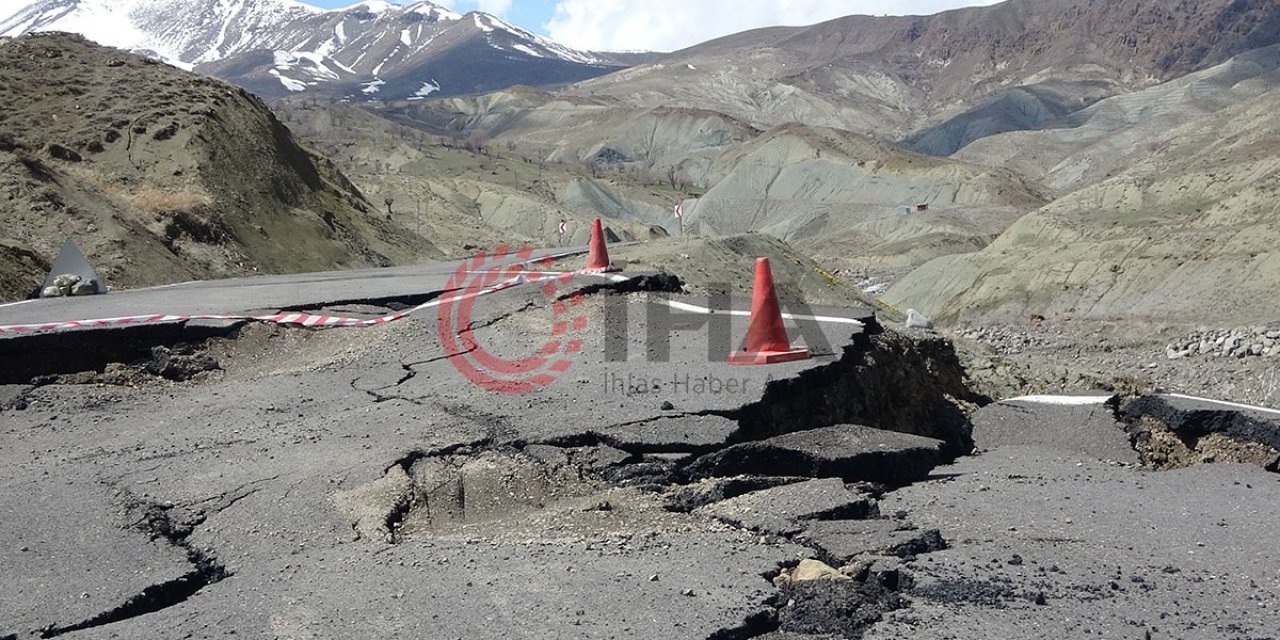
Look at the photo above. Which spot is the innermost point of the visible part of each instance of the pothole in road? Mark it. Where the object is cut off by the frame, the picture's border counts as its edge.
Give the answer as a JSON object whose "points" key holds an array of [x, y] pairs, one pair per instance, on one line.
{"points": [[539, 492], [1162, 448], [544, 493]]}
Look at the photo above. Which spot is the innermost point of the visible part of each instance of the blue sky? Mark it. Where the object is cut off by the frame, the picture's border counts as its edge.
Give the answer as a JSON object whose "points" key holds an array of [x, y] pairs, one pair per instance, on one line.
{"points": [[666, 25], [530, 14]]}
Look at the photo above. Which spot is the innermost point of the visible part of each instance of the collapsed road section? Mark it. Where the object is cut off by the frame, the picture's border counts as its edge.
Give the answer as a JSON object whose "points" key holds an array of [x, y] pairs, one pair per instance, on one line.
{"points": [[339, 483]]}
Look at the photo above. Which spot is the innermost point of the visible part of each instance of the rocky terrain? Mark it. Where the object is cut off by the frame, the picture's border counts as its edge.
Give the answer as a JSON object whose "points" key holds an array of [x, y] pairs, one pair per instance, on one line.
{"points": [[469, 193], [1095, 143]]}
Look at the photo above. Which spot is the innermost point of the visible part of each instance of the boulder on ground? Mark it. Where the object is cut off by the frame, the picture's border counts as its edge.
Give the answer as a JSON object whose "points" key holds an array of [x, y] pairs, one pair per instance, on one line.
{"points": [[917, 320], [810, 569]]}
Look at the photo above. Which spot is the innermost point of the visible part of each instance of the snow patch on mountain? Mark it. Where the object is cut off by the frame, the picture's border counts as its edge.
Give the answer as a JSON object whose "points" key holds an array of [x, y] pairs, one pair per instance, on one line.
{"points": [[555, 49], [433, 10], [312, 64], [289, 83], [427, 89], [524, 49], [372, 6]]}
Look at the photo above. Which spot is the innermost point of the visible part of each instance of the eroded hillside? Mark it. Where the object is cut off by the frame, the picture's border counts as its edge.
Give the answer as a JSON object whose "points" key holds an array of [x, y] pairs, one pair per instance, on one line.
{"points": [[1186, 234], [852, 201]]}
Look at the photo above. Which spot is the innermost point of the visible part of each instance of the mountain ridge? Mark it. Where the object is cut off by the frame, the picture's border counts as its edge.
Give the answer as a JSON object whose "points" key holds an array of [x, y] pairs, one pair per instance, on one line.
{"points": [[369, 50], [895, 76]]}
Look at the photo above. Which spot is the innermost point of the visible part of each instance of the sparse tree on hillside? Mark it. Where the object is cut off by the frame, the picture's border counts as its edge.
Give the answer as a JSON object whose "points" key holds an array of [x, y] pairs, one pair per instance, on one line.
{"points": [[476, 142], [388, 200]]}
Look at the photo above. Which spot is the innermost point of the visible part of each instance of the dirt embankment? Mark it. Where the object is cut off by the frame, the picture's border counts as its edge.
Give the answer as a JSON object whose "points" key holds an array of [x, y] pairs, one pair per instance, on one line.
{"points": [[162, 175]]}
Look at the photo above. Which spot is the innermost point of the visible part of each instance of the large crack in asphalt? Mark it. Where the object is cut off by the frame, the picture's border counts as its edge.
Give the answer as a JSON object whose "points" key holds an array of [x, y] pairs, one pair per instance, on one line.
{"points": [[424, 493], [42, 356], [390, 303], [881, 380], [156, 521]]}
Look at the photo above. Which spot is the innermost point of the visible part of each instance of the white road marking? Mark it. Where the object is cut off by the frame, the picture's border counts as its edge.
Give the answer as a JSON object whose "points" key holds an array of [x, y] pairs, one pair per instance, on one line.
{"points": [[14, 304], [1234, 405], [171, 285], [1064, 401], [693, 308]]}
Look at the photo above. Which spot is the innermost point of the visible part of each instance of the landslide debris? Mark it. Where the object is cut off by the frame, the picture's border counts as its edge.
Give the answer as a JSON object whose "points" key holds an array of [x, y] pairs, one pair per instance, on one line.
{"points": [[162, 175]]}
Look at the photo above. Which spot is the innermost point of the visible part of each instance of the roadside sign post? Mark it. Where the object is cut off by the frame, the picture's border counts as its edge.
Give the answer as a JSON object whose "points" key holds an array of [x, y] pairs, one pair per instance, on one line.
{"points": [[679, 211]]}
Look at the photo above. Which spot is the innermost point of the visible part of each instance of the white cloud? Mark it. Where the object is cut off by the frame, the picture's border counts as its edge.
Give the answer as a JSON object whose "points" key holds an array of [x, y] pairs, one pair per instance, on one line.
{"points": [[667, 25], [496, 7]]}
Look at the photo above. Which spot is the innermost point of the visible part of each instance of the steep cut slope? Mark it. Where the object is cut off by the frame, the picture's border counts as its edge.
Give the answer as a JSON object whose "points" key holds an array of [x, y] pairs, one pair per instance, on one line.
{"points": [[161, 175], [840, 196], [1188, 234], [895, 76]]}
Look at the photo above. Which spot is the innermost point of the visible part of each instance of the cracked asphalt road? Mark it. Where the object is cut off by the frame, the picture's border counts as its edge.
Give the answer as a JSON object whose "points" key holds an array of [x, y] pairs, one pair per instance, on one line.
{"points": [[132, 506], [249, 459]]}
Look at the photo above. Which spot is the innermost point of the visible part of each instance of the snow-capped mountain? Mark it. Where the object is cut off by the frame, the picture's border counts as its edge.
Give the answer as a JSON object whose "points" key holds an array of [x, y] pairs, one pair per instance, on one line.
{"points": [[371, 49]]}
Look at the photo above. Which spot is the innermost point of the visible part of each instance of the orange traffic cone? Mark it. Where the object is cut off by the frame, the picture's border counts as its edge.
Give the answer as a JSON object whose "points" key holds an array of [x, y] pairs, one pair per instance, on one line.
{"points": [[766, 336], [598, 258]]}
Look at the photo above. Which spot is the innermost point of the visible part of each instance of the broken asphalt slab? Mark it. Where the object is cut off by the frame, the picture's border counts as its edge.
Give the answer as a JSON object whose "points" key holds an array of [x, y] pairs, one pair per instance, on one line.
{"points": [[850, 452], [784, 510], [1091, 429], [671, 434], [77, 553], [838, 542]]}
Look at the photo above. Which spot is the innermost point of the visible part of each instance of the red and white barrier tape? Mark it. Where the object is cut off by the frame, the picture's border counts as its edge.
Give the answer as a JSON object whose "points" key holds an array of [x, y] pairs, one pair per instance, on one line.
{"points": [[299, 319]]}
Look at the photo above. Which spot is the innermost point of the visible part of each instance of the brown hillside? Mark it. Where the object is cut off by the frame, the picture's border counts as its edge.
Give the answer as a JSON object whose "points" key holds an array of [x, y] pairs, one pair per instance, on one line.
{"points": [[893, 76], [161, 175]]}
